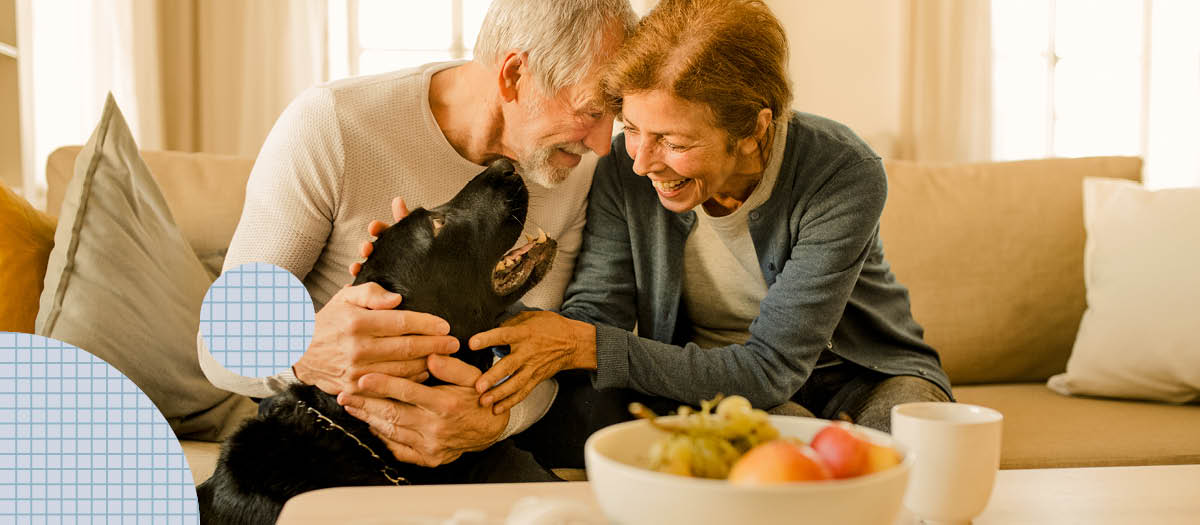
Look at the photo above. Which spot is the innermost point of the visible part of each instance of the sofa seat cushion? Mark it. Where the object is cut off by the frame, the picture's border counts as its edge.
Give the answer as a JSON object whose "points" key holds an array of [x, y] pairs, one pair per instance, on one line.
{"points": [[201, 457], [1043, 429]]}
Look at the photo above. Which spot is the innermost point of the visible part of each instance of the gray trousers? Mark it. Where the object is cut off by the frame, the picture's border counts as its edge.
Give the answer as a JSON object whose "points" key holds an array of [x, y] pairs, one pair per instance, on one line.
{"points": [[579, 409], [857, 392]]}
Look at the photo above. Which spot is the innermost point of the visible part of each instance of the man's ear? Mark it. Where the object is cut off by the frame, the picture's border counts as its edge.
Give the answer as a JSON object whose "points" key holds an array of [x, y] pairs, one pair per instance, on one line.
{"points": [[511, 69]]}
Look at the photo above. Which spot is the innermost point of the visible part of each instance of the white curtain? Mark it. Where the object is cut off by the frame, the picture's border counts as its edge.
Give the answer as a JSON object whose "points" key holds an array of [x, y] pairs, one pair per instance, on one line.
{"points": [[946, 112], [190, 75]]}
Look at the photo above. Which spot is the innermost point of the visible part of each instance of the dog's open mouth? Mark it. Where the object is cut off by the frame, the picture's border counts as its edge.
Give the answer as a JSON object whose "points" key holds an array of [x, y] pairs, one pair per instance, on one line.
{"points": [[516, 267]]}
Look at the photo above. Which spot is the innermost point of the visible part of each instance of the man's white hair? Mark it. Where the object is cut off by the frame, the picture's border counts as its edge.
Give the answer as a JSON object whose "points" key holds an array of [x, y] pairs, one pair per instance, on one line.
{"points": [[562, 38]]}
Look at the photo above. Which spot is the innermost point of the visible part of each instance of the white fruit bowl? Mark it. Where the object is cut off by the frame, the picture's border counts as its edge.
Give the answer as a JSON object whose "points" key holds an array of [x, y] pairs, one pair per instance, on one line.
{"points": [[629, 493]]}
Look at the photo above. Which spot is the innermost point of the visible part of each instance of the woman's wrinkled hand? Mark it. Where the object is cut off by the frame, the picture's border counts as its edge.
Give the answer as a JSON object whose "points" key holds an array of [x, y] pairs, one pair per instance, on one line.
{"points": [[542, 344]]}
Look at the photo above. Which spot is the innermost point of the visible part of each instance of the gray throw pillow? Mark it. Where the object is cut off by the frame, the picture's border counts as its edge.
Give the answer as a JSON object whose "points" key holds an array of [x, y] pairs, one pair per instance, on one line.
{"points": [[124, 285]]}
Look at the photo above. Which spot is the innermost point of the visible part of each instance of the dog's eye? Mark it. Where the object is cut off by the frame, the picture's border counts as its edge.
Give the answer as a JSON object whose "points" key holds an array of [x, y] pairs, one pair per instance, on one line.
{"points": [[438, 223]]}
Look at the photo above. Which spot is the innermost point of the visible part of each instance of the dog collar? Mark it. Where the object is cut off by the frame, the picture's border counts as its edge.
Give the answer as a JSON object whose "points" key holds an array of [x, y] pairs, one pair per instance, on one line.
{"points": [[325, 423]]}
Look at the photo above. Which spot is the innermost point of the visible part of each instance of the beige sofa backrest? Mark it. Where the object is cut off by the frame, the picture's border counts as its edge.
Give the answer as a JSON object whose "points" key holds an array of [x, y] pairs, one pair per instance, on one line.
{"points": [[205, 192], [992, 253]]}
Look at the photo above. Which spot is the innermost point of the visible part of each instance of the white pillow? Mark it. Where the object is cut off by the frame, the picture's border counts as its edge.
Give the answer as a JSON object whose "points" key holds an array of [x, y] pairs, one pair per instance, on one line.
{"points": [[1140, 335]]}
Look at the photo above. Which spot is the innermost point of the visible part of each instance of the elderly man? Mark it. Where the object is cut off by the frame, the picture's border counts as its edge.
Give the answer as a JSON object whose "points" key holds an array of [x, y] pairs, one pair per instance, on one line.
{"points": [[340, 149]]}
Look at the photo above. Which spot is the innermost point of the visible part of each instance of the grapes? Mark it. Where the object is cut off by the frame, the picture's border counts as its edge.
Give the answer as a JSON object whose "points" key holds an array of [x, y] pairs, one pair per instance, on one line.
{"points": [[706, 443]]}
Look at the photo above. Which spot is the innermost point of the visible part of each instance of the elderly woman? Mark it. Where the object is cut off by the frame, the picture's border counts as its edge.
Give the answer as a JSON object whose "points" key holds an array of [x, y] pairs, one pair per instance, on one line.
{"points": [[732, 244]]}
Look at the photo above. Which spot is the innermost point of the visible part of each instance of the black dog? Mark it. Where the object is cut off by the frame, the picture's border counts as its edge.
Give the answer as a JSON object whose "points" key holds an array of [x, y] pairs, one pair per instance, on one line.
{"points": [[449, 261]]}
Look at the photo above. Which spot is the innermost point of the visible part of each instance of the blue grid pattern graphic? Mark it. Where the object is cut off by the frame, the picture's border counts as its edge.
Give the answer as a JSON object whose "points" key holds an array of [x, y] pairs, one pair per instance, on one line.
{"points": [[79, 443], [257, 319]]}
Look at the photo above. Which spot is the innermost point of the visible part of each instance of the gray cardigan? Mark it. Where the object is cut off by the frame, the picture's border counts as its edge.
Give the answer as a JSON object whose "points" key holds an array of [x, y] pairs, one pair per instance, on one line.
{"points": [[818, 245]]}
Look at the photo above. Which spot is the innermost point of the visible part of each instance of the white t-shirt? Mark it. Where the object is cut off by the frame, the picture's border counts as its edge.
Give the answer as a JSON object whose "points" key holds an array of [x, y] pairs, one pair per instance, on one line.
{"points": [[722, 282], [333, 162]]}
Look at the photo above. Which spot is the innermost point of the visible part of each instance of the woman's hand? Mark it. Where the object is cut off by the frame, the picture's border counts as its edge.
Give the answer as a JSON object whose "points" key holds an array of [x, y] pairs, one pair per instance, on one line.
{"points": [[542, 344]]}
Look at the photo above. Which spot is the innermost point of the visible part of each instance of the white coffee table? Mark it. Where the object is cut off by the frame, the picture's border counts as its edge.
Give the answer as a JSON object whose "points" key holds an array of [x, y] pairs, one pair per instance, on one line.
{"points": [[1163, 495]]}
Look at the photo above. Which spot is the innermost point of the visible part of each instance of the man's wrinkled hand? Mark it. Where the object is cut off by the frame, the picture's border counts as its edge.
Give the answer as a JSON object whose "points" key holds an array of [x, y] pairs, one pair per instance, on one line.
{"points": [[399, 211], [358, 333], [425, 425], [541, 344]]}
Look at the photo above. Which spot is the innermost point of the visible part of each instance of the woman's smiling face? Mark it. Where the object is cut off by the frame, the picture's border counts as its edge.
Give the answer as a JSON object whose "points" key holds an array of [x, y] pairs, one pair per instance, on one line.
{"points": [[689, 160]]}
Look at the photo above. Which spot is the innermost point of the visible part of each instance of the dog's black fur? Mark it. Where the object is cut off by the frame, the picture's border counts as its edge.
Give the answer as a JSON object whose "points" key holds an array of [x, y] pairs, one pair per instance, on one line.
{"points": [[443, 261]]}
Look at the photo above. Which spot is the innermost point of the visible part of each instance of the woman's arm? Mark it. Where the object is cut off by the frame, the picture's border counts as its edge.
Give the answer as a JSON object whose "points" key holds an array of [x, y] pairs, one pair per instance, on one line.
{"points": [[602, 290]]}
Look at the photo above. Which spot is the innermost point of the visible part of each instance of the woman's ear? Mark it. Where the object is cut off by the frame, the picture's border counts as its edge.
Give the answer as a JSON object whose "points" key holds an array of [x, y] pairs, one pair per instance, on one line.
{"points": [[753, 144], [510, 74], [764, 123]]}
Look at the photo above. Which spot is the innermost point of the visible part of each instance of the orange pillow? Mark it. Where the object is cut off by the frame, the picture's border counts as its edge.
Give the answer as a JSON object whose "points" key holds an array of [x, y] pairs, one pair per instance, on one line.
{"points": [[26, 237]]}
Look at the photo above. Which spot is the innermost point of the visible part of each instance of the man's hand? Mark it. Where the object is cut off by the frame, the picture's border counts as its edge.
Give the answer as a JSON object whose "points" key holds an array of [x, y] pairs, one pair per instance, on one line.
{"points": [[424, 425], [399, 211], [542, 344], [358, 333]]}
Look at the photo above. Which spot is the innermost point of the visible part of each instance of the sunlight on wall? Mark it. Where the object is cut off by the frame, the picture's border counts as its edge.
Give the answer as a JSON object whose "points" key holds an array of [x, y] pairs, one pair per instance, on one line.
{"points": [[1076, 78], [76, 58]]}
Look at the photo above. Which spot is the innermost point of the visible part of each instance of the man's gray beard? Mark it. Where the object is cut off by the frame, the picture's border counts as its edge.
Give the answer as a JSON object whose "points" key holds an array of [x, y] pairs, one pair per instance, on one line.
{"points": [[536, 167]]}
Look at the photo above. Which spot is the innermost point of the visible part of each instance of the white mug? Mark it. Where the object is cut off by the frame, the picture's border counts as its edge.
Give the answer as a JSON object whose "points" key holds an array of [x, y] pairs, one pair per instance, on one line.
{"points": [[957, 452]]}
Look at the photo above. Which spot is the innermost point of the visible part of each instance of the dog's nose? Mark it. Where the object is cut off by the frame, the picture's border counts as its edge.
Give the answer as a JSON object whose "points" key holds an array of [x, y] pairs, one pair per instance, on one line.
{"points": [[503, 166]]}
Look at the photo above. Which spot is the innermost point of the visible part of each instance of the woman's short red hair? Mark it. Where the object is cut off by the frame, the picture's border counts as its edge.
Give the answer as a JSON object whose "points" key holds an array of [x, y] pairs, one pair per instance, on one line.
{"points": [[730, 55]]}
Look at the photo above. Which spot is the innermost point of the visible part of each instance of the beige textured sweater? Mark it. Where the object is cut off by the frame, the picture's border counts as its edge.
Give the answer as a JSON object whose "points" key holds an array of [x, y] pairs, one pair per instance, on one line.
{"points": [[333, 162]]}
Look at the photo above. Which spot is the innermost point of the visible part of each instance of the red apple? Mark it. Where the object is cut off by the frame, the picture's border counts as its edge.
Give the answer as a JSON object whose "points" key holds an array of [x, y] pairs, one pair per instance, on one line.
{"points": [[843, 451], [778, 461]]}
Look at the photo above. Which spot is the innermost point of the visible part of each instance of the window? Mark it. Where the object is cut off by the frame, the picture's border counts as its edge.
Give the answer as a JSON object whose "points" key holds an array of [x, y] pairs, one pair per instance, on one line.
{"points": [[1079, 77], [374, 36]]}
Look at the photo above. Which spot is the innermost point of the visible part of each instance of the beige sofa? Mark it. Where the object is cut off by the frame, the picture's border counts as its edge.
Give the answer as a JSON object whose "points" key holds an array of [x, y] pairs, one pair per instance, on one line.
{"points": [[992, 254]]}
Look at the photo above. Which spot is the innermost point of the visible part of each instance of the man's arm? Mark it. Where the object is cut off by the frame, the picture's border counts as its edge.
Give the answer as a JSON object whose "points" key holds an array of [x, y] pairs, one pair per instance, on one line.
{"points": [[288, 213], [291, 201]]}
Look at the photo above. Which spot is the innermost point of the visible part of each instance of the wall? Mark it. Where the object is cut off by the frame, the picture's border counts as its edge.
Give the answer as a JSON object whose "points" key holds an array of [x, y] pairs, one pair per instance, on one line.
{"points": [[10, 123], [847, 62]]}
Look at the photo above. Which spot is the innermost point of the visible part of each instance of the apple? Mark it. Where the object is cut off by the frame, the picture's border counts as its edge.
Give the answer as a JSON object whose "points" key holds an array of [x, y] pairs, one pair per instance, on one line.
{"points": [[843, 450], [880, 457], [778, 461]]}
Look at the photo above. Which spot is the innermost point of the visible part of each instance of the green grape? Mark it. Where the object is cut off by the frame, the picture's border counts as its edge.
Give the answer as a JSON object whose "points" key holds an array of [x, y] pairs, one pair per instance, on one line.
{"points": [[706, 443]]}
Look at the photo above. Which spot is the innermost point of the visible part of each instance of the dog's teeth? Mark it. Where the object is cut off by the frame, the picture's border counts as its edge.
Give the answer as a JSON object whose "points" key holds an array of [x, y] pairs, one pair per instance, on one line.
{"points": [[541, 235]]}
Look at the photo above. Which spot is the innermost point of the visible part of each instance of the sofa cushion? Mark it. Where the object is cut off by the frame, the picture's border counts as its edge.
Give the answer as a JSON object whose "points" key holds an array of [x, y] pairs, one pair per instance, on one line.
{"points": [[122, 284], [1043, 429], [201, 458], [204, 192], [992, 254], [1138, 338], [26, 237]]}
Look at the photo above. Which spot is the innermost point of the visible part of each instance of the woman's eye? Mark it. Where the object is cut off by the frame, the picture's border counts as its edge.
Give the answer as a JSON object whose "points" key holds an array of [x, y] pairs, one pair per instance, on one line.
{"points": [[673, 147]]}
